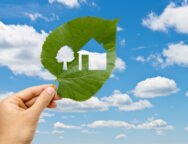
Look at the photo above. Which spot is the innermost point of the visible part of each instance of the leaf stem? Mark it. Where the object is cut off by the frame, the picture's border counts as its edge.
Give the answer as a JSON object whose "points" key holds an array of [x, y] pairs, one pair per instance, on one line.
{"points": [[54, 82]]}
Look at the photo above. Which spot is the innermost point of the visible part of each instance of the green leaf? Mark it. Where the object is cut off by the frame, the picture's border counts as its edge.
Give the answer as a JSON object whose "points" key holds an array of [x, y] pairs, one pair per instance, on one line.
{"points": [[78, 84]]}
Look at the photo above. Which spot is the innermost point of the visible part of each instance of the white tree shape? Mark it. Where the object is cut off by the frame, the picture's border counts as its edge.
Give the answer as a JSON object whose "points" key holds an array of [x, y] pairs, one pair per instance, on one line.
{"points": [[65, 54]]}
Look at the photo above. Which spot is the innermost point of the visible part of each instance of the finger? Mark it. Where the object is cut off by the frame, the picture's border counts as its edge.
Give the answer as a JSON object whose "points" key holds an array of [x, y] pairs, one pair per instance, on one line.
{"points": [[57, 97], [43, 100], [30, 102], [52, 105], [31, 92]]}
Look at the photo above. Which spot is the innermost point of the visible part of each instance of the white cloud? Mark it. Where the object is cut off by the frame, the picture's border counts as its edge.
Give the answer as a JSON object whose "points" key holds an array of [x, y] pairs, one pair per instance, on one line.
{"points": [[42, 132], [122, 43], [155, 125], [93, 104], [63, 126], [48, 132], [68, 3], [93, 4], [120, 65], [57, 132], [41, 120], [120, 28], [139, 105], [176, 54], [159, 132], [173, 16], [140, 59], [88, 132], [186, 128], [110, 123], [155, 59], [121, 136], [4, 95], [36, 15], [125, 103], [186, 94], [20, 48], [122, 101], [45, 114], [118, 99], [154, 87]]}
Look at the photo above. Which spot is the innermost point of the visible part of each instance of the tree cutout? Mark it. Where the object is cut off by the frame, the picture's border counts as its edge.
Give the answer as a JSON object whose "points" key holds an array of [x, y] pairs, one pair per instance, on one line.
{"points": [[65, 54]]}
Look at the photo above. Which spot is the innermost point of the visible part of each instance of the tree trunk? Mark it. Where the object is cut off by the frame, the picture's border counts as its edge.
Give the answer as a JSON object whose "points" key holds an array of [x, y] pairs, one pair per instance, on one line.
{"points": [[65, 65]]}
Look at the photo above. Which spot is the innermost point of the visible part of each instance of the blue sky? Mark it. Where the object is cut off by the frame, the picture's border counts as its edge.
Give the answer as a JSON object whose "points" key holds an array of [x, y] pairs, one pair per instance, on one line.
{"points": [[144, 101]]}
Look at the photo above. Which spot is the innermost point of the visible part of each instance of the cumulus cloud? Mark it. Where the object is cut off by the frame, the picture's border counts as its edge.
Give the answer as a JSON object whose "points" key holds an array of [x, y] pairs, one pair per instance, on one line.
{"points": [[122, 101], [175, 54], [110, 123], [120, 28], [118, 99], [63, 126], [122, 43], [68, 3], [154, 87], [139, 105], [121, 136], [93, 104], [45, 114], [120, 65], [88, 132], [41, 120], [157, 125], [42, 132], [20, 48], [140, 59], [34, 16], [186, 128], [186, 94], [159, 132], [57, 132], [125, 103], [155, 59], [173, 16]]}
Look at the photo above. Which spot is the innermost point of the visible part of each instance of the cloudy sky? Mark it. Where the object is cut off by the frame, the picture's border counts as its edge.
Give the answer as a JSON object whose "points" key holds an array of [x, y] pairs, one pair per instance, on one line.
{"points": [[146, 99]]}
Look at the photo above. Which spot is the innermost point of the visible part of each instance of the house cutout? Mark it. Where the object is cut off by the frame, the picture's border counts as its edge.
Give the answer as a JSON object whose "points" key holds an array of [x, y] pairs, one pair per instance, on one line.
{"points": [[96, 60], [87, 59]]}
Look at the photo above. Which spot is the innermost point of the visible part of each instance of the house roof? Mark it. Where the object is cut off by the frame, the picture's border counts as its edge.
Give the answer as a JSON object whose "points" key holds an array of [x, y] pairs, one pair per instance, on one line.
{"points": [[92, 46]]}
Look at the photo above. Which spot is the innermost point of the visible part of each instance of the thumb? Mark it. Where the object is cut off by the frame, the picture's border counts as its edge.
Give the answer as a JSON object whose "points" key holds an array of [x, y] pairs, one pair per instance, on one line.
{"points": [[43, 100]]}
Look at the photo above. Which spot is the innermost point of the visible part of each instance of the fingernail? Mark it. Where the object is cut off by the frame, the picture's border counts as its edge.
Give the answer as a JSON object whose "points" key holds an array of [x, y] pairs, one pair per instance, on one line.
{"points": [[50, 91]]}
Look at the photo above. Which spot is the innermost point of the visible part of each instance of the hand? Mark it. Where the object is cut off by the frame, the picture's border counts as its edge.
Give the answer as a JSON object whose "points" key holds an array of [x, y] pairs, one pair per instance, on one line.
{"points": [[19, 113]]}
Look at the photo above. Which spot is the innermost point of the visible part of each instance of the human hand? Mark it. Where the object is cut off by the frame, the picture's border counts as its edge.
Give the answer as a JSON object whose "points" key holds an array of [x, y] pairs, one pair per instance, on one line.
{"points": [[19, 113]]}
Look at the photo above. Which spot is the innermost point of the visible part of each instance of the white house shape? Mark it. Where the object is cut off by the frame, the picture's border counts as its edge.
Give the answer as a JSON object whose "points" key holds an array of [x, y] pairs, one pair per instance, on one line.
{"points": [[97, 61]]}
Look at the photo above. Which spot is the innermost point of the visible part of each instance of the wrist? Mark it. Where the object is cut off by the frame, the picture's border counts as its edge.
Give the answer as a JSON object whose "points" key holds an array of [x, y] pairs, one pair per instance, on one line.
{"points": [[11, 140]]}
